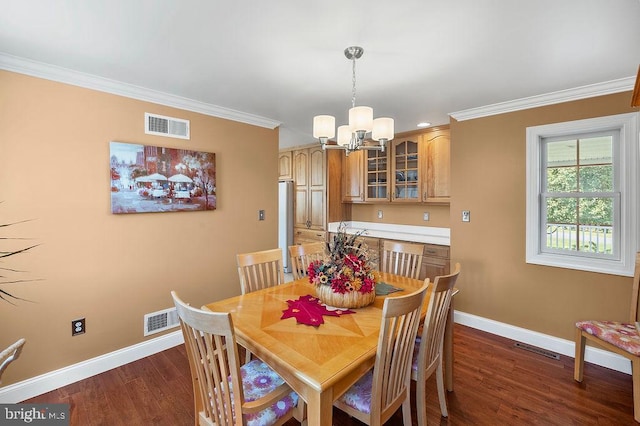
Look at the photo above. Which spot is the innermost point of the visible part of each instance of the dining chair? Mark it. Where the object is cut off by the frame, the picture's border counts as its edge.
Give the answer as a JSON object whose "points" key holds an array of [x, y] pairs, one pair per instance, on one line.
{"points": [[302, 255], [10, 354], [226, 393], [378, 394], [427, 355], [260, 269], [402, 258], [622, 338]]}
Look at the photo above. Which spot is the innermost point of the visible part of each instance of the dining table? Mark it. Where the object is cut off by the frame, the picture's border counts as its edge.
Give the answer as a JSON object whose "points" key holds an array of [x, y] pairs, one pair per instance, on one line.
{"points": [[319, 362]]}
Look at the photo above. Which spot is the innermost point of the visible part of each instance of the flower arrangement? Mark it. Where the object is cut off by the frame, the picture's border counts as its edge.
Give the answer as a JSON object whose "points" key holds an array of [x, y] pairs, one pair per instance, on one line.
{"points": [[346, 271]]}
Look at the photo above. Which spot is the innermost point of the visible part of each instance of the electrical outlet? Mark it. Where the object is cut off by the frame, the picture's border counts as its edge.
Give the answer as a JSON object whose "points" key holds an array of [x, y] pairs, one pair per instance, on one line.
{"points": [[78, 327], [379, 214], [425, 216], [466, 216], [260, 214]]}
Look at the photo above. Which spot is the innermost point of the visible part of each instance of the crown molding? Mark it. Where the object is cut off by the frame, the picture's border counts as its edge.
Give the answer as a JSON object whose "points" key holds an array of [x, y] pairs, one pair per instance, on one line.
{"points": [[89, 81], [583, 92]]}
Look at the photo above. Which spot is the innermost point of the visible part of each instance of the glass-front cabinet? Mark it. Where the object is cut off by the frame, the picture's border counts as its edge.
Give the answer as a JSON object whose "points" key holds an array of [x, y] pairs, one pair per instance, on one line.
{"points": [[406, 171], [377, 176]]}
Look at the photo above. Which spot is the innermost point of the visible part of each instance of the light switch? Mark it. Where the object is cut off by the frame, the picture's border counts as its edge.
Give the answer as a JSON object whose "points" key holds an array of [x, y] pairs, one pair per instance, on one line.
{"points": [[260, 214]]}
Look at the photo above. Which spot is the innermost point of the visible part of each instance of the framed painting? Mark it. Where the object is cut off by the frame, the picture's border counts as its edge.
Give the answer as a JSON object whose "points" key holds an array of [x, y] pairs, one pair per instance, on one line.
{"points": [[151, 179]]}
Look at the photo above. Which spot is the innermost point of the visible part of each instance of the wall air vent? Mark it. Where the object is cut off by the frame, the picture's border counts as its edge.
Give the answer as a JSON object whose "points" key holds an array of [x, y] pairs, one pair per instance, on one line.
{"points": [[160, 125], [156, 322]]}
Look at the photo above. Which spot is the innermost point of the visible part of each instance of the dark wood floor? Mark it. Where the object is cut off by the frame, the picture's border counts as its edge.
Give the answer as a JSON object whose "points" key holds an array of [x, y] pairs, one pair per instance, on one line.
{"points": [[495, 384]]}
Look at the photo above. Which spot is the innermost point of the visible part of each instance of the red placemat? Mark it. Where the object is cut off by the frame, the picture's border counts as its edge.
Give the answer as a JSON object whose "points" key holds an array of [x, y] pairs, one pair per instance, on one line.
{"points": [[309, 310]]}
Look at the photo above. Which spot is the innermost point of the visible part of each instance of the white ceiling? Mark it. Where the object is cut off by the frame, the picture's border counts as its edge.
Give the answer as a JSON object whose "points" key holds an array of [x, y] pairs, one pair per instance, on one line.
{"points": [[283, 59]]}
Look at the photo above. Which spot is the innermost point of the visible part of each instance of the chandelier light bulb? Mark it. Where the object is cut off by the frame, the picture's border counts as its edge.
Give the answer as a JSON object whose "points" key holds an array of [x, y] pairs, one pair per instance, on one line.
{"points": [[382, 129], [361, 119], [344, 135], [324, 126]]}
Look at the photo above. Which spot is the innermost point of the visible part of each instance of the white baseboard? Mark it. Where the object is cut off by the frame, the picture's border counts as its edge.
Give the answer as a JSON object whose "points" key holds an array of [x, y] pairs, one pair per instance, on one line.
{"points": [[562, 346], [53, 380], [47, 382]]}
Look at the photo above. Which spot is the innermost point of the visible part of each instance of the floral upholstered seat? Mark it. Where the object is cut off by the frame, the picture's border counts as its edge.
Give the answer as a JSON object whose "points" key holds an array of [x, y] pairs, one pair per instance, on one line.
{"points": [[259, 380], [620, 334], [622, 338], [358, 396]]}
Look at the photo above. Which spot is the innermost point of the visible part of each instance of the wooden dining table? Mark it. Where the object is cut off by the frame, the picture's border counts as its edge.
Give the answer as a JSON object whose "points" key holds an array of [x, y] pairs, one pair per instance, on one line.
{"points": [[319, 363]]}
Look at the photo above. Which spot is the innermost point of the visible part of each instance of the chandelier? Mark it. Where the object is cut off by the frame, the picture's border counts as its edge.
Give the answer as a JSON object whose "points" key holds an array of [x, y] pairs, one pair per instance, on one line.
{"points": [[351, 137]]}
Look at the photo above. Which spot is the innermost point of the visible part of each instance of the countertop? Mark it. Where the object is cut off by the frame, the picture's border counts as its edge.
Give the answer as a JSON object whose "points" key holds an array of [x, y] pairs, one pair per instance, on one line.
{"points": [[418, 234]]}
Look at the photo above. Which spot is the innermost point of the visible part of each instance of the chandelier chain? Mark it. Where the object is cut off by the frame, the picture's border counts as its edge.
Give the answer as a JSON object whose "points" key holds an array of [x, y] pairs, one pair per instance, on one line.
{"points": [[353, 82]]}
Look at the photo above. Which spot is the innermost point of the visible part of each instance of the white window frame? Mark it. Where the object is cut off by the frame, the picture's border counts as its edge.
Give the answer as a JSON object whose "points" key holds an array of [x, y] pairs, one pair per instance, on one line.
{"points": [[626, 163]]}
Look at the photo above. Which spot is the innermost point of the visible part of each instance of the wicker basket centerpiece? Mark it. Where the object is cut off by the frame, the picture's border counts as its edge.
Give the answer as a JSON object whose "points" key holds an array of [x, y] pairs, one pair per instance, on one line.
{"points": [[345, 278]]}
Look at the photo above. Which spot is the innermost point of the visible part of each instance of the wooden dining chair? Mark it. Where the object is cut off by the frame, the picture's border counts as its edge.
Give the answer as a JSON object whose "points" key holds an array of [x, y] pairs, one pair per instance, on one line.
{"points": [[427, 355], [10, 354], [226, 393], [619, 337], [402, 258], [303, 254], [377, 395], [260, 269]]}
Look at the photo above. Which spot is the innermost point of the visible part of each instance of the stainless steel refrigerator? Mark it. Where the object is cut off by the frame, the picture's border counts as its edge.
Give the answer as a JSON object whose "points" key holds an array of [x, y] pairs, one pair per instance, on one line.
{"points": [[285, 221]]}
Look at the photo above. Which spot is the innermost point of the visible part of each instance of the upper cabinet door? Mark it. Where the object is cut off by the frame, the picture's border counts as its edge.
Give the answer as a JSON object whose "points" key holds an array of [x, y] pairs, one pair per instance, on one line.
{"points": [[285, 165], [406, 172], [352, 188], [376, 176], [435, 147]]}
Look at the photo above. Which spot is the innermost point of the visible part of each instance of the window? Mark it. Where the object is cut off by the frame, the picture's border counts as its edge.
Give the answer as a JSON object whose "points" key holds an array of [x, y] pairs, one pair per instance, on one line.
{"points": [[582, 194]]}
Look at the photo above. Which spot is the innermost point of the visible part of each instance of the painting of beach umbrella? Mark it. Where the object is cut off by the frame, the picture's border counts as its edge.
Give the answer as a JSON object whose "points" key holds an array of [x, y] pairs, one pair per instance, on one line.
{"points": [[180, 178], [156, 176]]}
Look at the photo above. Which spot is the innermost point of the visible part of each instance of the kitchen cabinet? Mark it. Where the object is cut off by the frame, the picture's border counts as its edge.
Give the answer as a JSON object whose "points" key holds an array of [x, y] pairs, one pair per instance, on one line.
{"points": [[376, 172], [414, 169], [317, 190], [406, 162], [309, 187], [435, 147], [285, 165], [352, 175], [435, 258]]}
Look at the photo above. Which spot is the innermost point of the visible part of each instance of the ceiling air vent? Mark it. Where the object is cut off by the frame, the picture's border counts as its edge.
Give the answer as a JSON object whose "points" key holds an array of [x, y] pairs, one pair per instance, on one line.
{"points": [[156, 322], [160, 125]]}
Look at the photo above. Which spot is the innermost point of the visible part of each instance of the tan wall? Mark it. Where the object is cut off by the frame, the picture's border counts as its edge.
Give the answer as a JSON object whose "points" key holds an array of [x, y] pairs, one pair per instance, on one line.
{"points": [[112, 269], [488, 178]]}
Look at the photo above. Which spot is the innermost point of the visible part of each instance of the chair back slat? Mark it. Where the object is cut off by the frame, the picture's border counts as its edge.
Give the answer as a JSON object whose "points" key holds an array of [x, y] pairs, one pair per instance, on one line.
{"points": [[302, 255], [432, 337], [213, 357], [402, 258], [260, 269], [392, 369]]}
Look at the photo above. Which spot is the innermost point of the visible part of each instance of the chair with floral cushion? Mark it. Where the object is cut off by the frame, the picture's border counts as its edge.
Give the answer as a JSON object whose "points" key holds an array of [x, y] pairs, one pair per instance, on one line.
{"points": [[377, 395], [619, 337], [302, 255], [427, 355], [226, 393], [260, 269], [402, 258]]}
